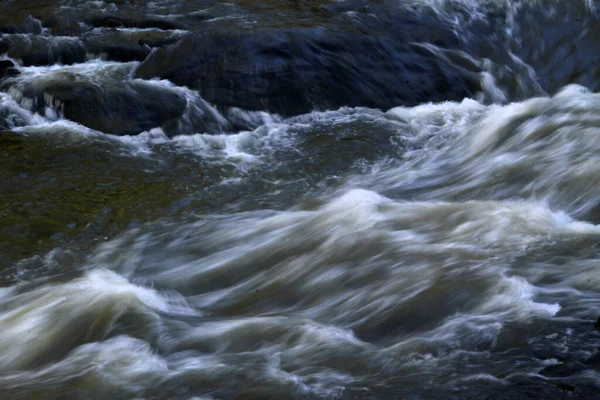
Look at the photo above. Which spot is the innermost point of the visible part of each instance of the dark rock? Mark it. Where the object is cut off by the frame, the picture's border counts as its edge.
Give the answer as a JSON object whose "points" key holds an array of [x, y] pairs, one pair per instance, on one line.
{"points": [[111, 21], [121, 109], [7, 68], [43, 50], [554, 46], [295, 71], [50, 50], [157, 43], [31, 25], [64, 25], [122, 51], [4, 64], [14, 11], [593, 361], [126, 110], [597, 324], [565, 386], [122, 46]]}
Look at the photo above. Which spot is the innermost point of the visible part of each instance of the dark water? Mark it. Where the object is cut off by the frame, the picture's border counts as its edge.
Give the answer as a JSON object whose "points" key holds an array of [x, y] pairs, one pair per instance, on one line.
{"points": [[299, 199]]}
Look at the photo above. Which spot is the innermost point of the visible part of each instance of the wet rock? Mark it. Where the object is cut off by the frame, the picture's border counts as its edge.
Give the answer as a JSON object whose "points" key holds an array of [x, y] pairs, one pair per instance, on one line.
{"points": [[157, 43], [31, 25], [295, 71], [126, 110], [568, 34], [597, 324], [120, 109], [112, 21], [112, 45], [14, 11], [64, 25], [116, 51], [565, 387], [7, 68], [116, 45], [43, 50]]}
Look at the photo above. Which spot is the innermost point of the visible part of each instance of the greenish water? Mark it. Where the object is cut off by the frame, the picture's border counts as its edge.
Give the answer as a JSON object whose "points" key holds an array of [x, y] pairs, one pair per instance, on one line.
{"points": [[13, 11], [73, 195]]}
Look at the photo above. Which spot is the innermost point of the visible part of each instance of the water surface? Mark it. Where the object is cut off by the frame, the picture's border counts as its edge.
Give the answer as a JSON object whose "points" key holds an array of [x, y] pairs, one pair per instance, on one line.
{"points": [[354, 200]]}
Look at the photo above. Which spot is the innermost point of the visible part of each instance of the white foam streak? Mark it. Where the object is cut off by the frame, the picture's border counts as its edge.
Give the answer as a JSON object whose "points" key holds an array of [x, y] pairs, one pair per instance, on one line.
{"points": [[121, 362], [542, 149], [94, 70], [17, 115], [85, 307], [361, 260]]}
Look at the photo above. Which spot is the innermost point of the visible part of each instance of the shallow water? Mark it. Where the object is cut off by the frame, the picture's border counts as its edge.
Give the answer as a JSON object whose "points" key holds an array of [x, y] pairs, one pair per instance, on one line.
{"points": [[441, 250]]}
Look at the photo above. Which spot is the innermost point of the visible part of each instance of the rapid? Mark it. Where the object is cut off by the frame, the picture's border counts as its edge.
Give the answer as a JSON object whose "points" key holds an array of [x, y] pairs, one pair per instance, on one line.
{"points": [[299, 199]]}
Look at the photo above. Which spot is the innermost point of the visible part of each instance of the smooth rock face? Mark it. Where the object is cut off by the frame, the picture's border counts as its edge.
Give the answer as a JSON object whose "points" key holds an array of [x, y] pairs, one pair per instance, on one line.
{"points": [[295, 71]]}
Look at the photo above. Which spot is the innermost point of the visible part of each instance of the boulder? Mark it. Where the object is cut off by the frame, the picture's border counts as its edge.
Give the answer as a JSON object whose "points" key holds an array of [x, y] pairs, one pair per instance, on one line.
{"points": [[43, 50], [31, 25], [116, 50], [116, 45], [127, 108], [112, 45], [293, 71], [8, 68], [13, 11], [113, 21], [64, 25]]}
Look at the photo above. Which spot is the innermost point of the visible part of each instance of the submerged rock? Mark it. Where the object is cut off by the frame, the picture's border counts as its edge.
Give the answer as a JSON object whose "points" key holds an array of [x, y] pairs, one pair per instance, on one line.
{"points": [[295, 71]]}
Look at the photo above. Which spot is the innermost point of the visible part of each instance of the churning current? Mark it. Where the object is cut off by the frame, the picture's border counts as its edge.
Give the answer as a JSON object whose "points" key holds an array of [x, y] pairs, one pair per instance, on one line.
{"points": [[309, 199]]}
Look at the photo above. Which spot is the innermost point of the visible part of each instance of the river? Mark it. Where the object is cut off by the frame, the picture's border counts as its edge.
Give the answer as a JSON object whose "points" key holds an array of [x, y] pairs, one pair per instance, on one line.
{"points": [[303, 199]]}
